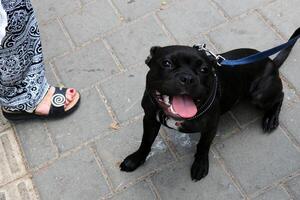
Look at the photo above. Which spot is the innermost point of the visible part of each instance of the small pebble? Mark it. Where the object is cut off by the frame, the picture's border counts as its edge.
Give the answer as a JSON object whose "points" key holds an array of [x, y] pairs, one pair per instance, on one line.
{"points": [[115, 126], [163, 3]]}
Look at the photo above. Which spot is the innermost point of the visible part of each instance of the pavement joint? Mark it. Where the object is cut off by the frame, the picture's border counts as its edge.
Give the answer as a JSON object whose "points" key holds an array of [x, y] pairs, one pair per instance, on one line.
{"points": [[153, 189], [227, 171], [165, 29], [291, 138], [275, 184], [221, 10], [66, 33], [101, 166], [107, 105]]}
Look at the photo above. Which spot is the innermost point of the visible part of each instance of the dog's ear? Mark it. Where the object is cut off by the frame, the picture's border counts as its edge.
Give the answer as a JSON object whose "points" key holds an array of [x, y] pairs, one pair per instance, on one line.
{"points": [[153, 50]]}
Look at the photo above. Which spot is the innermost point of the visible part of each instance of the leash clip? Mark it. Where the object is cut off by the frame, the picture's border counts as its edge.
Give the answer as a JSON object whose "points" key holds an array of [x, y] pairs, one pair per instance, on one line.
{"points": [[218, 58]]}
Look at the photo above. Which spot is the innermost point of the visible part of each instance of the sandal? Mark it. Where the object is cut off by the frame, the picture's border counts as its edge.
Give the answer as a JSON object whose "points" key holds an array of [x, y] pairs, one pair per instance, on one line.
{"points": [[57, 108]]}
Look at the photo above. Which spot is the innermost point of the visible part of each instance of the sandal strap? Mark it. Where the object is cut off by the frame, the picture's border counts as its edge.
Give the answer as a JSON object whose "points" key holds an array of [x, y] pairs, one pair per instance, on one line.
{"points": [[58, 101]]}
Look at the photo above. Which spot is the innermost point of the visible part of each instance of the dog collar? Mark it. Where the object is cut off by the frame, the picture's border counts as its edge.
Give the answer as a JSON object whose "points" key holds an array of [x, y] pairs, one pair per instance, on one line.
{"points": [[210, 100], [218, 58]]}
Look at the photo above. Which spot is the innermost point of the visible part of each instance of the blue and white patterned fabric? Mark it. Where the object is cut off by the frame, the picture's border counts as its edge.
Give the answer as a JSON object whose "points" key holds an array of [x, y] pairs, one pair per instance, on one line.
{"points": [[22, 75]]}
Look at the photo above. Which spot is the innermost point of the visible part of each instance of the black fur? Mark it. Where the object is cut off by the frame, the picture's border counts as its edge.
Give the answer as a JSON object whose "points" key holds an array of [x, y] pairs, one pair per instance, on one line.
{"points": [[189, 71]]}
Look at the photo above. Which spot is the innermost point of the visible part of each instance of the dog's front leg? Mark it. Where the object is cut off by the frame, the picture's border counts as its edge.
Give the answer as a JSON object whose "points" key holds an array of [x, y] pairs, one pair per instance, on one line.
{"points": [[151, 129], [201, 163]]}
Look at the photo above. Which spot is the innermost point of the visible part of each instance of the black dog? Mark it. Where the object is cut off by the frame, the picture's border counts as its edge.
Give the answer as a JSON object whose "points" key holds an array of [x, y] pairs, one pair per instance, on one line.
{"points": [[187, 90]]}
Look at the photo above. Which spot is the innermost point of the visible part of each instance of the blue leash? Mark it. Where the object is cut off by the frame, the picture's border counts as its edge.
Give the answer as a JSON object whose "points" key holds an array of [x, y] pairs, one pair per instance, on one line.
{"points": [[221, 61]]}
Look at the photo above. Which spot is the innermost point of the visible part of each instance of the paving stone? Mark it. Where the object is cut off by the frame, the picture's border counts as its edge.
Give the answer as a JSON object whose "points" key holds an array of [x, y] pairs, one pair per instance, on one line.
{"points": [[290, 119], [289, 111], [36, 143], [175, 183], [236, 35], [86, 66], [86, 1], [186, 143], [12, 164], [21, 189], [76, 177], [89, 121], [290, 97], [132, 43], [290, 69], [126, 102], [274, 194], [294, 186], [137, 192], [50, 75], [114, 149], [245, 112], [200, 39], [47, 10], [94, 19], [226, 127], [258, 159], [240, 6], [132, 9], [54, 42], [186, 19], [283, 15]]}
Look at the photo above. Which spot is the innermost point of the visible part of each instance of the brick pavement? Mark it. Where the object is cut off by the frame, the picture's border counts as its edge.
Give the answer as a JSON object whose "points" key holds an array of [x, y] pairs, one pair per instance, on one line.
{"points": [[99, 46]]}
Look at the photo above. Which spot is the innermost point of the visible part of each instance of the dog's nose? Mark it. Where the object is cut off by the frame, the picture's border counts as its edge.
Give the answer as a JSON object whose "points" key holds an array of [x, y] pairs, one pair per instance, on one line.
{"points": [[186, 79]]}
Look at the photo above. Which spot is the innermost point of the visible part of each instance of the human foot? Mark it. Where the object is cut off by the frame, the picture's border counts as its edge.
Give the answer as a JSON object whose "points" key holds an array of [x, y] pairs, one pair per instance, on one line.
{"points": [[72, 97], [57, 103]]}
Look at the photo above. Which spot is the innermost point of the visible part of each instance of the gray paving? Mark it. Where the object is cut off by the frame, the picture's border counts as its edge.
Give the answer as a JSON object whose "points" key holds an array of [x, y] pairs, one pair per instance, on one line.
{"points": [[73, 177], [252, 154], [293, 187], [274, 194], [99, 47]]}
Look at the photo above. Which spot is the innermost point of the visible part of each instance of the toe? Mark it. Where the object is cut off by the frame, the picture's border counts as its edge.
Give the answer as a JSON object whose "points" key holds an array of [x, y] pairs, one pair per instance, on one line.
{"points": [[70, 94], [270, 124], [199, 169], [67, 103]]}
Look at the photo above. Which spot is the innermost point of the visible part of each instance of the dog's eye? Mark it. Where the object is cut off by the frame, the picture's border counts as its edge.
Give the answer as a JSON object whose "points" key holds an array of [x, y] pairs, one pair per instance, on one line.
{"points": [[204, 69], [167, 64]]}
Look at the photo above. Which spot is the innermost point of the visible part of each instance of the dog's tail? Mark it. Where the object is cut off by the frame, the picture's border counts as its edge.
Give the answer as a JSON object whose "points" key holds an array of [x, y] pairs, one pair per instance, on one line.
{"points": [[282, 56]]}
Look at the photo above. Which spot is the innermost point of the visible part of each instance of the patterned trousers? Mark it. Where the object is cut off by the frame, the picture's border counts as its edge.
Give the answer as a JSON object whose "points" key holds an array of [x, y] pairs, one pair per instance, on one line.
{"points": [[22, 74]]}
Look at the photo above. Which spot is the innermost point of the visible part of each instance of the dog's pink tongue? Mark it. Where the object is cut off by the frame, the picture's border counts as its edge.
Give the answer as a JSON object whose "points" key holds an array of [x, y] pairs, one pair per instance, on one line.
{"points": [[184, 106]]}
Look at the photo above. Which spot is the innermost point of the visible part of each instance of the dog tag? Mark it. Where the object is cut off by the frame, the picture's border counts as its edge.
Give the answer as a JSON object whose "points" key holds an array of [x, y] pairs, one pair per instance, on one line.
{"points": [[167, 121], [171, 123]]}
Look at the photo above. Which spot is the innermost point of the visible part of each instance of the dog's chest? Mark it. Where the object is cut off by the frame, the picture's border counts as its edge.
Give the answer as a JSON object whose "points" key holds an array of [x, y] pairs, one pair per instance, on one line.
{"points": [[169, 122]]}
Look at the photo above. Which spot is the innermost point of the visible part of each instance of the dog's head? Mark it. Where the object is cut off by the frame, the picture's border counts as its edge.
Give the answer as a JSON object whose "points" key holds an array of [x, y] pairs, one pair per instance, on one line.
{"points": [[180, 79]]}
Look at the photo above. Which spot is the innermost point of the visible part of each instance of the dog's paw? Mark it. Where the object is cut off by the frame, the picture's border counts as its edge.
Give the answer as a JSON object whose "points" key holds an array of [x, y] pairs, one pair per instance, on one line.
{"points": [[270, 123], [132, 162], [199, 168]]}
